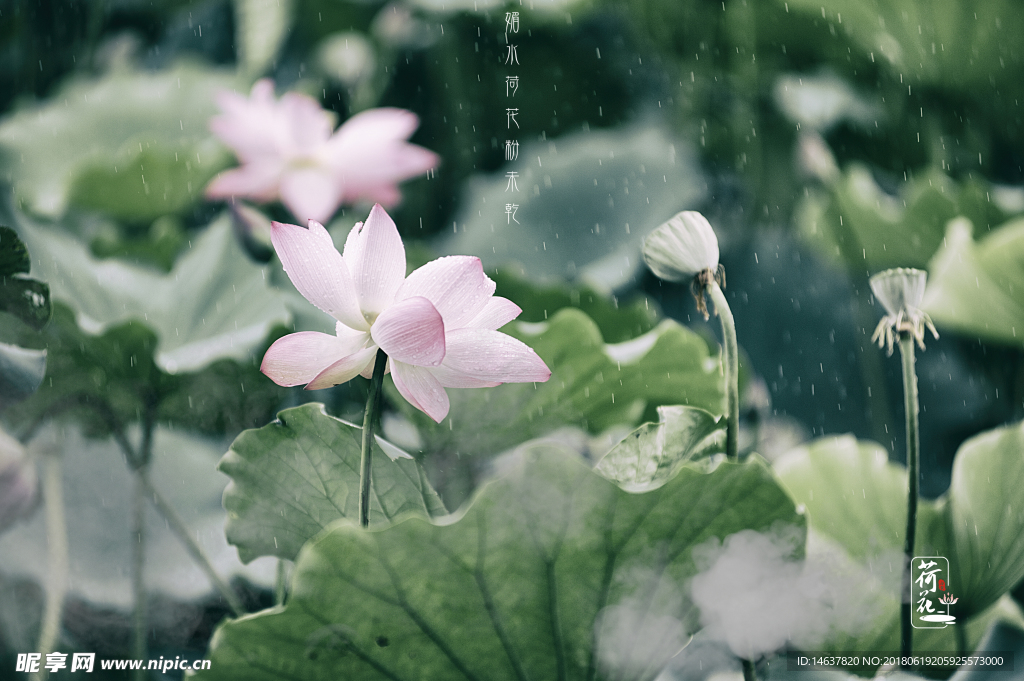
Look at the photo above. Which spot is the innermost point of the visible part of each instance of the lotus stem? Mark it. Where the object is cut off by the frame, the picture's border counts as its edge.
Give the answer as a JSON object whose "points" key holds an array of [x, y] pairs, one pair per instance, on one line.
{"points": [[749, 671], [913, 474], [180, 530], [138, 569], [280, 583], [57, 538], [960, 628], [140, 465], [369, 418], [730, 359]]}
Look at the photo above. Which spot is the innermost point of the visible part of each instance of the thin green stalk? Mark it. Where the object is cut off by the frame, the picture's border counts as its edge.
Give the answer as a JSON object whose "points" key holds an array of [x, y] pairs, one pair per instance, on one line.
{"points": [[280, 583], [960, 628], [140, 466], [369, 418], [57, 539], [138, 565], [730, 351], [749, 672], [181, 530], [913, 475]]}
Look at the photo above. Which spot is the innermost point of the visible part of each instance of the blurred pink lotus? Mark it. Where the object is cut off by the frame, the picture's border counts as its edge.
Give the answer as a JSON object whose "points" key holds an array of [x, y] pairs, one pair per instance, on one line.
{"points": [[438, 326], [19, 493], [288, 152]]}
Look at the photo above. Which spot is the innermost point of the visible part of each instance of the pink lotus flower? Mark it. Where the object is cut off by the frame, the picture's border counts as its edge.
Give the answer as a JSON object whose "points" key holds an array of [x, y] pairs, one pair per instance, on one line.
{"points": [[288, 152], [438, 326]]}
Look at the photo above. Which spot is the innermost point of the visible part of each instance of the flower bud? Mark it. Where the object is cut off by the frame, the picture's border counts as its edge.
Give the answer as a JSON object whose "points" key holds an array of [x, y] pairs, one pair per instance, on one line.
{"points": [[253, 231], [18, 482], [348, 58], [682, 248]]}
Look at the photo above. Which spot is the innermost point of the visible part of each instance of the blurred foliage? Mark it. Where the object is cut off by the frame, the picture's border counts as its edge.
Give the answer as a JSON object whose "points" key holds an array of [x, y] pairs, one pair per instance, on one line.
{"points": [[618, 321], [95, 141], [107, 381], [712, 66], [224, 397], [585, 204], [158, 246], [21, 372], [28, 301], [21, 296], [868, 230], [214, 303], [976, 288]]}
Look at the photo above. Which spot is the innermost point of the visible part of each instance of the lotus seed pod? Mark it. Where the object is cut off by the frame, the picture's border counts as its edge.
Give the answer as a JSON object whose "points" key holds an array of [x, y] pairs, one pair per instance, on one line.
{"points": [[899, 290]]}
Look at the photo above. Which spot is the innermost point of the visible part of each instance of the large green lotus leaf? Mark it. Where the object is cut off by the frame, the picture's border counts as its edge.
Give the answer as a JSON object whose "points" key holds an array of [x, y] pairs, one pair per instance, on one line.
{"points": [[215, 303], [149, 182], [857, 499], [986, 514], [134, 143], [852, 493], [869, 230], [25, 298], [593, 385], [94, 378], [551, 572], [855, 496], [292, 478], [977, 288], [653, 453]]}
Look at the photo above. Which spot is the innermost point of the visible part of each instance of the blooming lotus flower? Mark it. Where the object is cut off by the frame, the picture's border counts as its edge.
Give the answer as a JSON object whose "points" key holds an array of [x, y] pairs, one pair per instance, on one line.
{"points": [[288, 152], [438, 326]]}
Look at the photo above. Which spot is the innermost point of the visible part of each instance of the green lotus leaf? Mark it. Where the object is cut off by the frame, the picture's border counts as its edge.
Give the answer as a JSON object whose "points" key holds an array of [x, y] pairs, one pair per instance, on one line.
{"points": [[649, 456], [292, 478], [25, 298], [870, 230], [551, 572], [977, 288]]}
